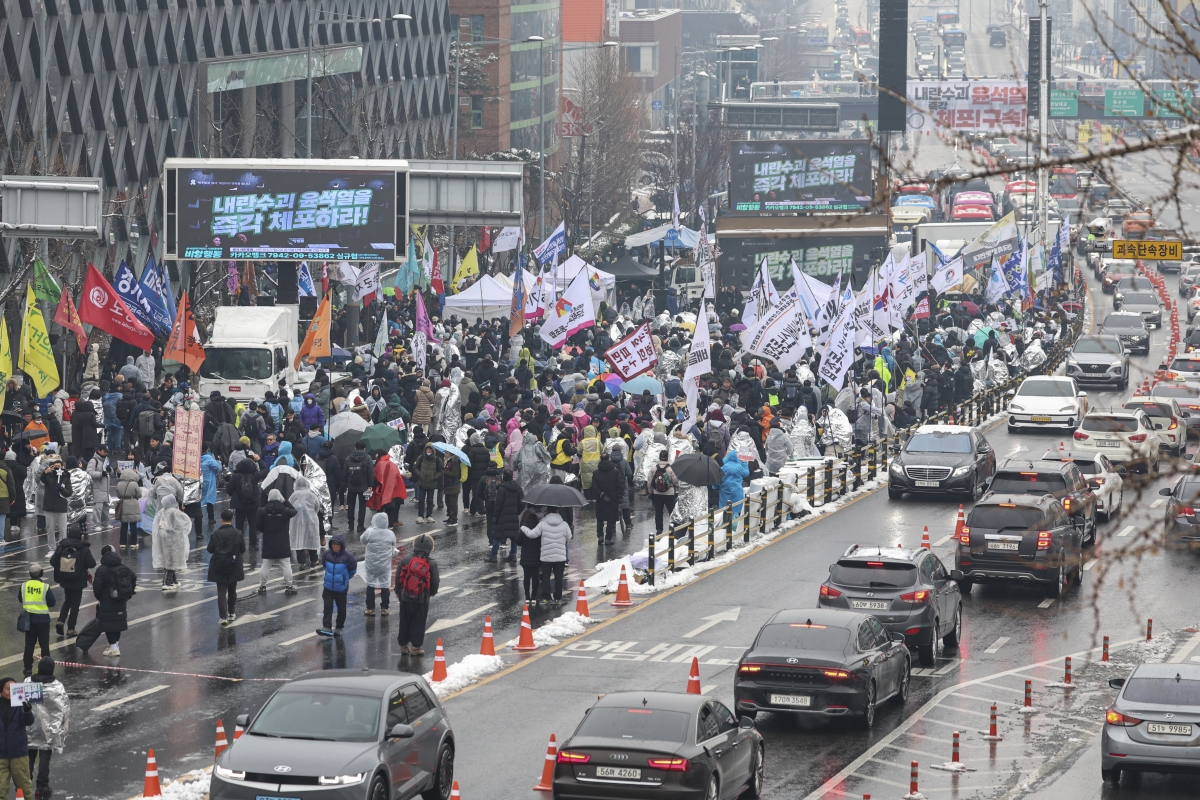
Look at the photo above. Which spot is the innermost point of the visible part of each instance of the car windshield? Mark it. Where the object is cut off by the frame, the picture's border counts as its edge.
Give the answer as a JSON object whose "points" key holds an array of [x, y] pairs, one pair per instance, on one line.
{"points": [[1140, 298], [1122, 322], [323, 716], [1110, 347], [1028, 483], [236, 363], [1109, 424], [1162, 691], [1087, 466], [1185, 365], [802, 636], [1151, 408], [635, 724], [1044, 388], [939, 442], [999, 517], [873, 573]]}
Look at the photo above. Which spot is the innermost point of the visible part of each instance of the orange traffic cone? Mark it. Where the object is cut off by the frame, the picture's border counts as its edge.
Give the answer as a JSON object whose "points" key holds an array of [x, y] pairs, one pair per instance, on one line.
{"points": [[151, 788], [959, 523], [238, 730], [925, 539], [488, 646], [546, 784], [581, 607], [439, 663], [222, 742], [454, 791], [693, 686], [525, 642], [20, 795], [622, 600]]}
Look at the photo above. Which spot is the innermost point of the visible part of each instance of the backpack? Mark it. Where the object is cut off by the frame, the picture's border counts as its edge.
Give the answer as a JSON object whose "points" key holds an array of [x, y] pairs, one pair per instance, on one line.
{"points": [[491, 488], [715, 440], [358, 472], [413, 580], [247, 491], [146, 422], [68, 565], [126, 583], [662, 484]]}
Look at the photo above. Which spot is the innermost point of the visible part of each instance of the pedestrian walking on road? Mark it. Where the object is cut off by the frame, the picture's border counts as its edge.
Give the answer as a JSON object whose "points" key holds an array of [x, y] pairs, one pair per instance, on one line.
{"points": [[71, 561], [662, 487], [305, 528], [554, 533], [340, 566], [210, 472], [129, 509], [359, 476], [451, 486], [14, 741], [245, 492], [380, 542], [273, 522], [426, 470], [606, 490], [169, 541], [100, 470], [507, 517], [114, 586], [733, 471], [56, 483], [388, 489], [227, 546], [51, 718], [416, 582], [37, 598]]}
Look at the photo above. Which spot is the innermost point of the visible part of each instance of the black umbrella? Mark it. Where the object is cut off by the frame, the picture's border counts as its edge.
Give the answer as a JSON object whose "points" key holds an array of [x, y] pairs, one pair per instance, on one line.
{"points": [[344, 445], [697, 469], [555, 494]]}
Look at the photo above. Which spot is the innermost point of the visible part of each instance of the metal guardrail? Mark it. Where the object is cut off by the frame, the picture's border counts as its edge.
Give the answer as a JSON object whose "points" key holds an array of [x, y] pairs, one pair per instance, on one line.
{"points": [[814, 90]]}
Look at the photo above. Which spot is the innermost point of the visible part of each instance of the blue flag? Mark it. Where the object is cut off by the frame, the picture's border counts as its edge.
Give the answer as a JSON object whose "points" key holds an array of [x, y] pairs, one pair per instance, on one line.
{"points": [[164, 284], [407, 274], [129, 290], [161, 321], [304, 281], [1015, 272]]}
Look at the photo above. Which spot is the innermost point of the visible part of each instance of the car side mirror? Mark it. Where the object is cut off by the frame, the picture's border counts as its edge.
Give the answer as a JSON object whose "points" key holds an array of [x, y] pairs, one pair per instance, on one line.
{"points": [[745, 724], [1165, 491], [401, 731], [897, 636], [242, 720], [1083, 394], [956, 575], [1122, 471], [1116, 683]]}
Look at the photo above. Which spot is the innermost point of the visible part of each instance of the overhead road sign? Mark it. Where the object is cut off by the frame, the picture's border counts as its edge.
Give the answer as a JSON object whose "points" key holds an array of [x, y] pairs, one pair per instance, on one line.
{"points": [[1153, 250], [36, 206]]}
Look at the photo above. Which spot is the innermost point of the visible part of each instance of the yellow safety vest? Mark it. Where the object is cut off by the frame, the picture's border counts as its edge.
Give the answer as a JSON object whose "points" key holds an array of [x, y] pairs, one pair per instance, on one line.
{"points": [[561, 457], [33, 597]]}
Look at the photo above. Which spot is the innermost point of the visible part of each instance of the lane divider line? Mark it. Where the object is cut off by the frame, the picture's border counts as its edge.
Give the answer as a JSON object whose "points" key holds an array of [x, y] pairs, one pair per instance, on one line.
{"points": [[1128, 529], [996, 645], [130, 698], [79, 665]]}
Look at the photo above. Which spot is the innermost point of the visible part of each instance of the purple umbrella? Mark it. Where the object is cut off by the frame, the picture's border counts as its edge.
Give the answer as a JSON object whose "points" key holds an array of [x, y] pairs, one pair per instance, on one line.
{"points": [[737, 326]]}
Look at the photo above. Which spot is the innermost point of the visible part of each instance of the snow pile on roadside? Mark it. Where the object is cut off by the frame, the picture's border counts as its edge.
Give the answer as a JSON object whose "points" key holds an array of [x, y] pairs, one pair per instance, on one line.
{"points": [[557, 629], [189, 786], [462, 674], [1155, 651]]}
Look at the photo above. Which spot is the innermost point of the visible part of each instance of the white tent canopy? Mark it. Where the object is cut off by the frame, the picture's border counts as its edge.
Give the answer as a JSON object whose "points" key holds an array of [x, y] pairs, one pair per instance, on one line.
{"points": [[686, 235], [566, 272], [486, 298]]}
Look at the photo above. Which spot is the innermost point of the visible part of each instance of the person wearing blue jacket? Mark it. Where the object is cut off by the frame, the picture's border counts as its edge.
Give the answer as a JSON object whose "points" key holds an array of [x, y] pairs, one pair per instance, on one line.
{"points": [[210, 471], [734, 472], [14, 741], [340, 566]]}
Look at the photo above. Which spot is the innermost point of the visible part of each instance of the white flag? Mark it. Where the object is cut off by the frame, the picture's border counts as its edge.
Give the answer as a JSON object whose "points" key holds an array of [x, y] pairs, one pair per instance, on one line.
{"points": [[571, 313], [948, 276], [839, 353], [699, 364], [762, 296], [347, 273], [675, 211], [780, 335], [866, 331], [381, 337], [419, 343], [509, 238], [901, 294], [997, 286], [919, 272], [368, 281], [811, 292]]}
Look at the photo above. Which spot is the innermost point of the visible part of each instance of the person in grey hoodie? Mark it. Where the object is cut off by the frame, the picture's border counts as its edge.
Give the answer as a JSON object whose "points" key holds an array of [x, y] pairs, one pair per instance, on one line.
{"points": [[99, 470], [554, 533]]}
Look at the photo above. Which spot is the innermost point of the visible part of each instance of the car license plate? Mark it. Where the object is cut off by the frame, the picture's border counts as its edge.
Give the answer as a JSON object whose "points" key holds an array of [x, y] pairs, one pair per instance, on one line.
{"points": [[933, 484], [618, 772], [797, 700], [872, 605], [1003, 545], [1174, 730], [1039, 418], [1103, 443]]}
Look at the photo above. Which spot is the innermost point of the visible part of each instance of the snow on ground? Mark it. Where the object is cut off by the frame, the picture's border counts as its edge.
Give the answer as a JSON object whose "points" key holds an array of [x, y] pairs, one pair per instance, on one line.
{"points": [[557, 629], [462, 674], [189, 786]]}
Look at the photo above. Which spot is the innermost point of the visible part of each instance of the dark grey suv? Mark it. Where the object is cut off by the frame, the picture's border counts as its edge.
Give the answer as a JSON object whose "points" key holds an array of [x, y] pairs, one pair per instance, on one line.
{"points": [[1099, 359], [909, 591], [342, 735]]}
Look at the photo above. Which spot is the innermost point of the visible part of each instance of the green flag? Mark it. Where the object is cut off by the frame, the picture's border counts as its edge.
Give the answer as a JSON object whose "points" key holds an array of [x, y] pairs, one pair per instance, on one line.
{"points": [[44, 286]]}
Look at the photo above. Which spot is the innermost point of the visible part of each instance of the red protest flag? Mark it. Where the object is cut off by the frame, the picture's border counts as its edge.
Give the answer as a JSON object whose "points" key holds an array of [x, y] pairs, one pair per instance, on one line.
{"points": [[100, 307], [184, 344], [68, 317]]}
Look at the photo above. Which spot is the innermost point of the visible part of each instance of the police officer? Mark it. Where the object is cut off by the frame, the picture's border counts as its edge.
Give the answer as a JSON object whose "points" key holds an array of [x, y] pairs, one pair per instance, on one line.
{"points": [[37, 598]]}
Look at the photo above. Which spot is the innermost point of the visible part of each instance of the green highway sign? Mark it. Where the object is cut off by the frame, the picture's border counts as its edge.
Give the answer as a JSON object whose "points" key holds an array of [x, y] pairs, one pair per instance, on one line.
{"points": [[1064, 103], [1124, 102]]}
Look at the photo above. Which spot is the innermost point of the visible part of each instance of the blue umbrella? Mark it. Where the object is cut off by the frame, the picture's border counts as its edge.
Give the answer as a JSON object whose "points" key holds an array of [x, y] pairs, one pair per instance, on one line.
{"points": [[442, 447], [641, 383]]}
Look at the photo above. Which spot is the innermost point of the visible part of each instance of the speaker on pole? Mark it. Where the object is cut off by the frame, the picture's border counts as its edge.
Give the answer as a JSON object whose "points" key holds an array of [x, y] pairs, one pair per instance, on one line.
{"points": [[288, 293]]}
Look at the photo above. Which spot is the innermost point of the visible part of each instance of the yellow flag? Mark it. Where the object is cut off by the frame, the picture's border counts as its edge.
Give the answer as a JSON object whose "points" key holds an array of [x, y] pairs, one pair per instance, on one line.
{"points": [[5, 358], [468, 268], [37, 359]]}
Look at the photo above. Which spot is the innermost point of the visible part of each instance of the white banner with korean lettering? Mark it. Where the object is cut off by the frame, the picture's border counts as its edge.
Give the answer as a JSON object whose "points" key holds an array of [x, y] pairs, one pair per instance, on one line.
{"points": [[973, 105], [781, 334], [839, 353], [634, 354]]}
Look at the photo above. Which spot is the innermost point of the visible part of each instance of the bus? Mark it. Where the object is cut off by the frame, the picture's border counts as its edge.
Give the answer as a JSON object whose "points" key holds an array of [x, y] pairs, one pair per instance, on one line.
{"points": [[954, 37], [947, 16], [860, 35], [1064, 182]]}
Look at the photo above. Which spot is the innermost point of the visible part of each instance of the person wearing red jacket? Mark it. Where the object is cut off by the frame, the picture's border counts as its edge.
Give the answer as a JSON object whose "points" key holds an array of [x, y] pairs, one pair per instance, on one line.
{"points": [[389, 489]]}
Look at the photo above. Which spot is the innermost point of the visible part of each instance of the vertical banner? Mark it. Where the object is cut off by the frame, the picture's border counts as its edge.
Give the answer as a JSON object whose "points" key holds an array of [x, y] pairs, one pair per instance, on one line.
{"points": [[188, 444]]}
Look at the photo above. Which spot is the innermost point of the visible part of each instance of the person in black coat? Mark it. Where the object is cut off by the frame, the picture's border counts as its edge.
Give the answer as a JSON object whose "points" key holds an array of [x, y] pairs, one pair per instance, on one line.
{"points": [[225, 568], [74, 582], [964, 383], [244, 494], [333, 475], [14, 739], [930, 394], [84, 438], [506, 517], [481, 459], [606, 488], [946, 390], [273, 522], [16, 506], [111, 611]]}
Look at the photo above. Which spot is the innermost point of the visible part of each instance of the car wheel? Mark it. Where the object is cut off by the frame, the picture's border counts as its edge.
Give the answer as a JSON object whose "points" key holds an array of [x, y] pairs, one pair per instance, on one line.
{"points": [[901, 696], [443, 778], [976, 490], [868, 718], [1058, 587], [713, 792], [952, 638], [755, 780], [928, 652], [379, 790], [965, 586], [1112, 776]]}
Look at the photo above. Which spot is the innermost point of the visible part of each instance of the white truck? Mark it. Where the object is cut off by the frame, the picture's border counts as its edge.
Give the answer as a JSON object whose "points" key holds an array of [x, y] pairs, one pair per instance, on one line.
{"points": [[251, 349]]}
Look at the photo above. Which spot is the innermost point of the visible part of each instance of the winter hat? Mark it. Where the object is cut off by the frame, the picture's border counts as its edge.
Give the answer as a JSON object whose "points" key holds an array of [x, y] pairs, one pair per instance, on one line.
{"points": [[244, 441], [445, 383], [72, 462], [45, 666], [275, 495], [423, 544], [662, 456], [10, 456]]}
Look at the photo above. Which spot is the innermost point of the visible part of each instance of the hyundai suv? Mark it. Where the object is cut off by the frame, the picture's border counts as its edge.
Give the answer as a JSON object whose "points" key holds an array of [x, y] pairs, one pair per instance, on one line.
{"points": [[1099, 359], [1130, 328], [1023, 538], [909, 591], [1061, 480]]}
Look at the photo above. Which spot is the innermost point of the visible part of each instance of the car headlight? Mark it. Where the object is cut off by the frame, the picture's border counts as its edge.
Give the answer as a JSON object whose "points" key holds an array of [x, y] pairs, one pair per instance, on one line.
{"points": [[897, 468], [341, 780], [958, 473], [230, 774], [1067, 408], [1072, 363], [1015, 407], [1117, 364]]}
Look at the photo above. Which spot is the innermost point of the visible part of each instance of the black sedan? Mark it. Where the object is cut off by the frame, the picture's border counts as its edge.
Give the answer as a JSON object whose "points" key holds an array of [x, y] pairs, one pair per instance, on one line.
{"points": [[825, 662], [943, 459], [660, 744]]}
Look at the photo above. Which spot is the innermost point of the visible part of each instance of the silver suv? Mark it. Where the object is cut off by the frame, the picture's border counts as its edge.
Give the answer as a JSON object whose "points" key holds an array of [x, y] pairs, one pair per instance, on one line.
{"points": [[1154, 724]]}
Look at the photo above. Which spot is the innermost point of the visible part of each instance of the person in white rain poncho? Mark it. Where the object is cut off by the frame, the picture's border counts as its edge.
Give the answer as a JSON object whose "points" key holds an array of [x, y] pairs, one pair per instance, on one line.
{"points": [[304, 530], [779, 448], [532, 463], [169, 542], [381, 547]]}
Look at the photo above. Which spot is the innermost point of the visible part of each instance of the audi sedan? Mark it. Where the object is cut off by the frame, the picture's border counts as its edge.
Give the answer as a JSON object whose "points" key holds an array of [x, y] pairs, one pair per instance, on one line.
{"points": [[1154, 724], [660, 744]]}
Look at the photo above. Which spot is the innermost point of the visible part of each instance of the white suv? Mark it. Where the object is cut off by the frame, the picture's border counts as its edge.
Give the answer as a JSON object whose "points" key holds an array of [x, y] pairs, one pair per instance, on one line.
{"points": [[1126, 437]]}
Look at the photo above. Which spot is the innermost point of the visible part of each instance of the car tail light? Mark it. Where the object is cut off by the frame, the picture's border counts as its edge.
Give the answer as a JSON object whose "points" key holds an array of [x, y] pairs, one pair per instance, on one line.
{"points": [[570, 757], [1174, 424], [747, 669], [1081, 436], [1043, 540], [1187, 511], [836, 673], [912, 631], [1066, 504], [829, 591], [965, 538], [920, 596], [1114, 717], [669, 764], [1138, 437]]}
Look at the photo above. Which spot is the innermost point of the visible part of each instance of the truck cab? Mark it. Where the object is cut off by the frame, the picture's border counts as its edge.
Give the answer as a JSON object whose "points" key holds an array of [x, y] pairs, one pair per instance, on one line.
{"points": [[251, 349]]}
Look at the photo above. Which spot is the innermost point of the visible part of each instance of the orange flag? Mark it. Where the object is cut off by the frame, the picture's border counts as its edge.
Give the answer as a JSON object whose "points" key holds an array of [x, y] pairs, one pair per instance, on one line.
{"points": [[316, 341], [184, 345], [68, 317]]}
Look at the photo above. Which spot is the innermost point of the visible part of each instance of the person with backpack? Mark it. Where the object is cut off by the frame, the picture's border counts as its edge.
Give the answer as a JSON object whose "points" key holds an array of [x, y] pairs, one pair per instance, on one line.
{"points": [[37, 598], [252, 426], [114, 586], [380, 544], [607, 485], [716, 434], [71, 561], [553, 532], [151, 424], [506, 517], [273, 521], [51, 718], [427, 471], [226, 567], [359, 473], [417, 581], [487, 491], [340, 566], [662, 488], [481, 459]]}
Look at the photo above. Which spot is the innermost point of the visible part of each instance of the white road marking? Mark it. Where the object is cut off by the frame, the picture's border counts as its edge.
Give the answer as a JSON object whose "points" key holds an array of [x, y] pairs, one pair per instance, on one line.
{"points": [[130, 698], [1091, 563], [996, 645], [709, 688], [725, 616], [442, 624], [1183, 651], [1128, 529], [268, 615], [1049, 601], [309, 635], [922, 672], [948, 667], [1158, 502], [943, 540], [1015, 450]]}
